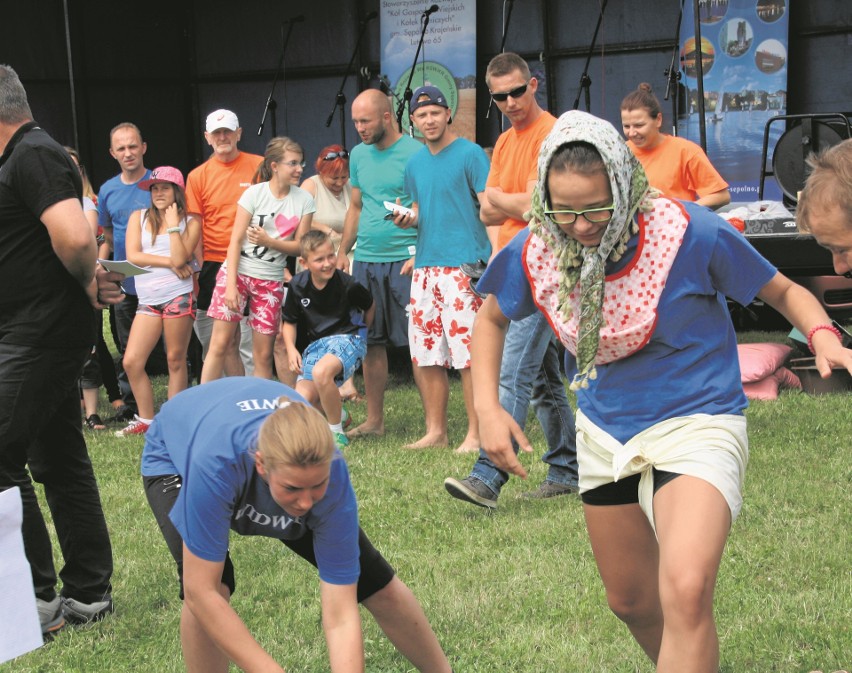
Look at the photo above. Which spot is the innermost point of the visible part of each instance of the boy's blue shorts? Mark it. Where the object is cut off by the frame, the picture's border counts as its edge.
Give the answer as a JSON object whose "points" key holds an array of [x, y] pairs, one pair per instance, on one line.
{"points": [[350, 349]]}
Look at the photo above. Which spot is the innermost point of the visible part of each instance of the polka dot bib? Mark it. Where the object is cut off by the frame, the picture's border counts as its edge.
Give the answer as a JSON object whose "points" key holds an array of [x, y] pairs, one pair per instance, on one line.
{"points": [[631, 295]]}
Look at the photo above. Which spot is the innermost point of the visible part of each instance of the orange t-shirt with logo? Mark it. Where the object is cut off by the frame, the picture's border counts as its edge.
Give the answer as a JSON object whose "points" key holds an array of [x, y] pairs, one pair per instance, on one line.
{"points": [[514, 163], [212, 192]]}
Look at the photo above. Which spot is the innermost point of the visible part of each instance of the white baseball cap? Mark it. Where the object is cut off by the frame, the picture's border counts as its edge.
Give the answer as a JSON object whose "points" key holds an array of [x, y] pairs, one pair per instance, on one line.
{"points": [[222, 119]]}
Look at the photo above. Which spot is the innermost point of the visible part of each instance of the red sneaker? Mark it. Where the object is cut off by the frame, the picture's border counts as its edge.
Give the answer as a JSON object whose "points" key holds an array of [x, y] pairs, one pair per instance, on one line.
{"points": [[135, 427]]}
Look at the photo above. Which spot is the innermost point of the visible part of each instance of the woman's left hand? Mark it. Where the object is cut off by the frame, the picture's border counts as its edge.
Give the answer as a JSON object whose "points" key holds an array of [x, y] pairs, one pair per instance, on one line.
{"points": [[830, 354]]}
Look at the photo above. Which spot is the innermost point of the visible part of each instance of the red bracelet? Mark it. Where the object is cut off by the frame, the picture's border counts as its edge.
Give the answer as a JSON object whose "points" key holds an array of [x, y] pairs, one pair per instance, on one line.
{"points": [[814, 330]]}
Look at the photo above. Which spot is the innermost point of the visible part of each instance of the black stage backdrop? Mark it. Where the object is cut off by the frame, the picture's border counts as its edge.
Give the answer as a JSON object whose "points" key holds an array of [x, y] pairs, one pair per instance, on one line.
{"points": [[165, 64]]}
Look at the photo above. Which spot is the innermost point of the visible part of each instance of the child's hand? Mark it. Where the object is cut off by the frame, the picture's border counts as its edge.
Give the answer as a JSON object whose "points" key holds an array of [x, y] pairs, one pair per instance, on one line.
{"points": [[257, 236], [172, 216], [183, 271], [295, 362], [232, 300]]}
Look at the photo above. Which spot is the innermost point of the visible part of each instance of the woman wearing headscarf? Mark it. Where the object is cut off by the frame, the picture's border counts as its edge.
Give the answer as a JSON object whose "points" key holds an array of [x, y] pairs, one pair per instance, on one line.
{"points": [[634, 285]]}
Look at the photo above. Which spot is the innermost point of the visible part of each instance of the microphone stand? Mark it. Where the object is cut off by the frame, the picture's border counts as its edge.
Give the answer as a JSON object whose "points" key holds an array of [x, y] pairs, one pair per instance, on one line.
{"points": [[406, 97], [511, 3], [271, 105], [340, 98], [585, 80], [673, 75], [702, 129]]}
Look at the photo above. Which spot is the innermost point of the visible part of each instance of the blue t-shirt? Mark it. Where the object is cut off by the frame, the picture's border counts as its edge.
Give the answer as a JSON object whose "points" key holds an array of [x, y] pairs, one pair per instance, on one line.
{"points": [[208, 434], [116, 202], [690, 364], [379, 176], [445, 185]]}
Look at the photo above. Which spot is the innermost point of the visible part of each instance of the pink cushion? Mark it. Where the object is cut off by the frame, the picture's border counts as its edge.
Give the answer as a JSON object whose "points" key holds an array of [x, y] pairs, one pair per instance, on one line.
{"points": [[757, 361], [767, 389]]}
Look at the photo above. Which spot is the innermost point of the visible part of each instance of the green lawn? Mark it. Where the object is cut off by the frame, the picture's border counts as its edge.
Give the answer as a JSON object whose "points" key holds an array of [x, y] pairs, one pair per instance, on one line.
{"points": [[514, 590]]}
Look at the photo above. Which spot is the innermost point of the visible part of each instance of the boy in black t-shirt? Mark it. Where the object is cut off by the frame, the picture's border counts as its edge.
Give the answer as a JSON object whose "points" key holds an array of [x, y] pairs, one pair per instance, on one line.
{"points": [[331, 312]]}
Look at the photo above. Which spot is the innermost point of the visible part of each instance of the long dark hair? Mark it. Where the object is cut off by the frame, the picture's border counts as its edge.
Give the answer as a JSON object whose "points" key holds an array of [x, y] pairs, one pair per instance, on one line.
{"points": [[156, 218]]}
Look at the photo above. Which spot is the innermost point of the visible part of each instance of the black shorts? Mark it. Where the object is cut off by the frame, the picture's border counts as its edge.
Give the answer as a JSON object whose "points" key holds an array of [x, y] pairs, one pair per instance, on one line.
{"points": [[391, 293], [625, 491], [162, 492], [206, 284]]}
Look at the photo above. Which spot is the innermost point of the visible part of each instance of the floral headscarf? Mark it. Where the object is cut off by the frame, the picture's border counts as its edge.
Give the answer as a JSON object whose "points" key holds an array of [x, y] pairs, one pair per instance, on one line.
{"points": [[586, 265]]}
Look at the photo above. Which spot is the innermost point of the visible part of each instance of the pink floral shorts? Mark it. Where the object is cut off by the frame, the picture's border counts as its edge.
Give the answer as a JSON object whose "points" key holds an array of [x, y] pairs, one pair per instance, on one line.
{"points": [[264, 298], [440, 317]]}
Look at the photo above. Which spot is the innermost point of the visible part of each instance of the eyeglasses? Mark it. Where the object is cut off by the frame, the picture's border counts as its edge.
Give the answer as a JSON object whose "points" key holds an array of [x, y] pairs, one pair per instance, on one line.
{"points": [[593, 215], [293, 164], [514, 93], [331, 156]]}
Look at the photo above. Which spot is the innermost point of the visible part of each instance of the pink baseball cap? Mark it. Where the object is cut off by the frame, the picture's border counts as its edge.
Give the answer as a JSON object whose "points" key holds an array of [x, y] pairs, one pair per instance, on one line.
{"points": [[222, 119], [162, 174]]}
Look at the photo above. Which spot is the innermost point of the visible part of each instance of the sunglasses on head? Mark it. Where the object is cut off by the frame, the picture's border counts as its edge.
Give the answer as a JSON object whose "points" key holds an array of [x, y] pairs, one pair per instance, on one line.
{"points": [[331, 156], [514, 93]]}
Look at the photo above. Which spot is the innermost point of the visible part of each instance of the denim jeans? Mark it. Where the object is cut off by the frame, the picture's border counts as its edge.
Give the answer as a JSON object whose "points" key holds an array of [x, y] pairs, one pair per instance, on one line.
{"points": [[530, 374], [40, 428]]}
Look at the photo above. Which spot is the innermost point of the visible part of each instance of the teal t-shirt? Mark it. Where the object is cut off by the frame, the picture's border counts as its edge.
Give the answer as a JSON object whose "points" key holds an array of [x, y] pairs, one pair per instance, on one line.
{"points": [[445, 186], [379, 174]]}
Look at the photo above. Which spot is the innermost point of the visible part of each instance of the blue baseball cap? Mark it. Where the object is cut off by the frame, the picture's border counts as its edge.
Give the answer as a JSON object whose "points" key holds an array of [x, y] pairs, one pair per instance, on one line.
{"points": [[431, 95]]}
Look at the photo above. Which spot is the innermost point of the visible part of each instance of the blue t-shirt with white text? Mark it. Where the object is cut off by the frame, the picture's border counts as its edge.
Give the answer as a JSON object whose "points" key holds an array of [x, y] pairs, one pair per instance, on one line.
{"points": [[207, 434]]}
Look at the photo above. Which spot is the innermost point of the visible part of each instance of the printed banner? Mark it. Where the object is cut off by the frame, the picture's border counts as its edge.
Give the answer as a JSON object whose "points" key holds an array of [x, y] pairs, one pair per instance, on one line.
{"points": [[447, 59], [744, 54]]}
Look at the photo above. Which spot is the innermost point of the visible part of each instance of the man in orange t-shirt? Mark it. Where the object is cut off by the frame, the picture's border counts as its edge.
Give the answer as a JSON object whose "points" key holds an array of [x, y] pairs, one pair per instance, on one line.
{"points": [[529, 372], [212, 192]]}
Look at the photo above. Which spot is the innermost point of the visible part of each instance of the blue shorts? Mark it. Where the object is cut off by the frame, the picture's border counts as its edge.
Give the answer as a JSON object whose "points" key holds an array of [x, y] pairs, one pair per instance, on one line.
{"points": [[391, 296], [350, 349]]}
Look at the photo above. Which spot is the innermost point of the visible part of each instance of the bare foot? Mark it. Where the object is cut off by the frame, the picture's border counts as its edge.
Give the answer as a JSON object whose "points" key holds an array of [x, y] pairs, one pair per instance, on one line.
{"points": [[427, 441], [365, 430], [349, 393], [469, 445]]}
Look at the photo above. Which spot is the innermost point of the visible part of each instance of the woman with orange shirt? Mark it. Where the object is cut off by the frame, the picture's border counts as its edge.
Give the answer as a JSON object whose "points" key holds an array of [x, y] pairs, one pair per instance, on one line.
{"points": [[677, 167]]}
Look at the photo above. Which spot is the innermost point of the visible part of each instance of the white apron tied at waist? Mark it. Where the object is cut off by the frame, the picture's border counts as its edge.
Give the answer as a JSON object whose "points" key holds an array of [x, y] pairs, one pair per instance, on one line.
{"points": [[712, 448]]}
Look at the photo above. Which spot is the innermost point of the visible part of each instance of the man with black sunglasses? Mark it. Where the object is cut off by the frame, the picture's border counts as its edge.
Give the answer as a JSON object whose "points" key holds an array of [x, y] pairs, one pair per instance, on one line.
{"points": [[530, 371]]}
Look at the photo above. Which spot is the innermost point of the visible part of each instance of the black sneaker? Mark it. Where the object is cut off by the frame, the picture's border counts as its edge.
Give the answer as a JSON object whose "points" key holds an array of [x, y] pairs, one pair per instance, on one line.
{"points": [[77, 612], [550, 489], [471, 490], [123, 414], [51, 617]]}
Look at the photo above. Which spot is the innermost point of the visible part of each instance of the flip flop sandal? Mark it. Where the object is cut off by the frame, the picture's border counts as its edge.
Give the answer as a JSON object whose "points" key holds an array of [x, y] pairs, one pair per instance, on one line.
{"points": [[94, 422]]}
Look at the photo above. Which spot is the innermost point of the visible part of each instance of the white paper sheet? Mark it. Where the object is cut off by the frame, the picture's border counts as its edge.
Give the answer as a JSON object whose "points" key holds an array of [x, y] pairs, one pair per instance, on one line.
{"points": [[123, 266], [20, 630]]}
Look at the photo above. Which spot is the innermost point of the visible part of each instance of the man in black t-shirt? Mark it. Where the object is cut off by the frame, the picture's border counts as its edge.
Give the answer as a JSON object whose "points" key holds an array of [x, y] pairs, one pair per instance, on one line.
{"points": [[47, 290], [330, 310]]}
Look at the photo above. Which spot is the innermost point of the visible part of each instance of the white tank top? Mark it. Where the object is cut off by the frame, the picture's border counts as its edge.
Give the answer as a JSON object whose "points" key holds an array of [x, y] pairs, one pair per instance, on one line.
{"points": [[162, 284]]}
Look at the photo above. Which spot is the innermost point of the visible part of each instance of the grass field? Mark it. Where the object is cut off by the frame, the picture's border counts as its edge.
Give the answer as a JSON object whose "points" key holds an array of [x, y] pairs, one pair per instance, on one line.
{"points": [[515, 590]]}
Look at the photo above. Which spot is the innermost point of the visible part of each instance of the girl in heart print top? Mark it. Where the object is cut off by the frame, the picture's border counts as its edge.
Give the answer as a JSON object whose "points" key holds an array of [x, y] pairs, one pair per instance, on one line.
{"points": [[272, 216]]}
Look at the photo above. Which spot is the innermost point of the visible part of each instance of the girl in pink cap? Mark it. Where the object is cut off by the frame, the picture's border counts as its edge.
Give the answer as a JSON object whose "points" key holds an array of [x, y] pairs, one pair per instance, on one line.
{"points": [[161, 238]]}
